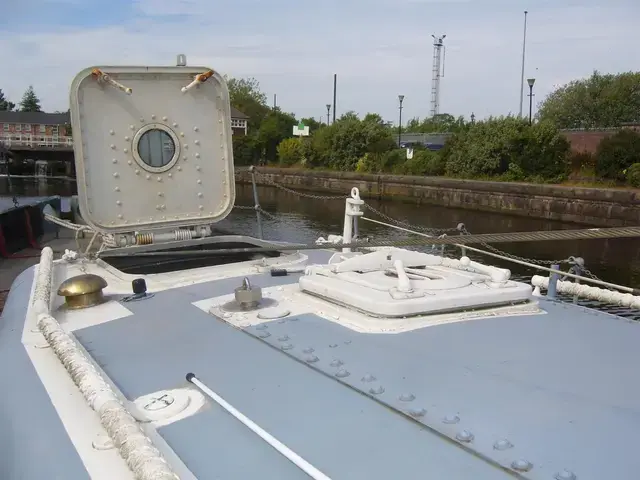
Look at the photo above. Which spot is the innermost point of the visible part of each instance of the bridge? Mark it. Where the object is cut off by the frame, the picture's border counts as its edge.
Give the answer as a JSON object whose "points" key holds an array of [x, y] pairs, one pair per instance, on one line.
{"points": [[25, 149], [31, 143]]}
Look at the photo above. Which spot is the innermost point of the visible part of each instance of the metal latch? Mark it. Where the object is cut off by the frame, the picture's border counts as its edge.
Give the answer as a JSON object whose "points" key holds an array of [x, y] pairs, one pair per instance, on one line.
{"points": [[248, 296]]}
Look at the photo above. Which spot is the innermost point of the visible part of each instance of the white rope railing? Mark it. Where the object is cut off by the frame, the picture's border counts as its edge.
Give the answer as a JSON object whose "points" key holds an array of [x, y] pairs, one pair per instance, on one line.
{"points": [[138, 451], [585, 291]]}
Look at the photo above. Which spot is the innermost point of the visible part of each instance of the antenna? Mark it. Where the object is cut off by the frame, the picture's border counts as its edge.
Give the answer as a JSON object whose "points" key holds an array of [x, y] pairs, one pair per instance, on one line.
{"points": [[438, 72]]}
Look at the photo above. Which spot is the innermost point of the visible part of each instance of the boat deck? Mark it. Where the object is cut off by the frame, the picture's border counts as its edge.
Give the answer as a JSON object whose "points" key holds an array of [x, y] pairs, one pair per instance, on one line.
{"points": [[337, 429], [475, 396]]}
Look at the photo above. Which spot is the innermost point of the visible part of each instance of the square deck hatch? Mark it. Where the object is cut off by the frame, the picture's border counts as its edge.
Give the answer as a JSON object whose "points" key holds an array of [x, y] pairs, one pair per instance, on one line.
{"points": [[149, 153]]}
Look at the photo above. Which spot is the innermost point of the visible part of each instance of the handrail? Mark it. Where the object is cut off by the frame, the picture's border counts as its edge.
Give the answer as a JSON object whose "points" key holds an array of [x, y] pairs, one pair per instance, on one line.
{"points": [[15, 140]]}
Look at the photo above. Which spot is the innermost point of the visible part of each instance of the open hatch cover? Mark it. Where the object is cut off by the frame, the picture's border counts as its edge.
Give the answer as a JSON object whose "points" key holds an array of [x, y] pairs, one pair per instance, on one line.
{"points": [[152, 147]]}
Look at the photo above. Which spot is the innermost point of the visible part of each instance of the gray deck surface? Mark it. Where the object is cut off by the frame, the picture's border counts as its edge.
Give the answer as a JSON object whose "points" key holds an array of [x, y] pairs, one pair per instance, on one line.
{"points": [[542, 380], [34, 443], [337, 429]]}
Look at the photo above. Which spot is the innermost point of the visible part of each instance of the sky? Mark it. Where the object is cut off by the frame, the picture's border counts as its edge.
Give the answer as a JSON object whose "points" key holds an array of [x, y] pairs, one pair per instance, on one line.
{"points": [[378, 48]]}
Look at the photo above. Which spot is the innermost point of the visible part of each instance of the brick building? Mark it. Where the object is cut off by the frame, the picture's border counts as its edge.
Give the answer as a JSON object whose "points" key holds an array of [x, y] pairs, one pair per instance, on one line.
{"points": [[35, 129], [588, 140]]}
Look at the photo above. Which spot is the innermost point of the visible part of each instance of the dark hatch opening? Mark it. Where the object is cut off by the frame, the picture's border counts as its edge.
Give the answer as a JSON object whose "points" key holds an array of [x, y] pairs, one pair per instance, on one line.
{"points": [[143, 265]]}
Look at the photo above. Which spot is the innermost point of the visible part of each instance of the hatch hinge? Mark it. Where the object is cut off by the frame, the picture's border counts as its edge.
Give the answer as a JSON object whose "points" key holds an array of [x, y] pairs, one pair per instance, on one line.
{"points": [[154, 237]]}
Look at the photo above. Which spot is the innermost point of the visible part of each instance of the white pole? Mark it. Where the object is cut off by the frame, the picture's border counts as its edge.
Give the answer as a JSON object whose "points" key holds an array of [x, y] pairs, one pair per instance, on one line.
{"points": [[293, 457], [347, 229], [524, 43]]}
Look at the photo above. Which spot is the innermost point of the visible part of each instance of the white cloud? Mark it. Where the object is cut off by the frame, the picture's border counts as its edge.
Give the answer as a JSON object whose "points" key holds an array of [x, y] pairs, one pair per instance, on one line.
{"points": [[378, 48]]}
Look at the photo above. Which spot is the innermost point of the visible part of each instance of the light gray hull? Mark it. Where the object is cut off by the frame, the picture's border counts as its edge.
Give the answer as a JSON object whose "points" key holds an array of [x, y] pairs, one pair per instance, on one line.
{"points": [[34, 442]]}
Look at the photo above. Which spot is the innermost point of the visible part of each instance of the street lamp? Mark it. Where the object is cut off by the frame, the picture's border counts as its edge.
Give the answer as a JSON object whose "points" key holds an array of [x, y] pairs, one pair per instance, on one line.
{"points": [[400, 99], [530, 81], [328, 110]]}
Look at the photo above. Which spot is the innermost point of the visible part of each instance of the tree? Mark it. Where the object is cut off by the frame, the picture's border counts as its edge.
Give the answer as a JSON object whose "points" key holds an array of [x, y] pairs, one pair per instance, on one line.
{"points": [[275, 127], [312, 123], [290, 151], [348, 141], [245, 151], [442, 123], [617, 153], [599, 101], [30, 101], [245, 95], [350, 115], [507, 146], [5, 105], [373, 118]]}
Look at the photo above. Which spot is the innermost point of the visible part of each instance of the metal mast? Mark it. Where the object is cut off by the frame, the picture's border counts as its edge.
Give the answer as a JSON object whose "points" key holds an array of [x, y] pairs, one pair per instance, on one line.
{"points": [[438, 72]]}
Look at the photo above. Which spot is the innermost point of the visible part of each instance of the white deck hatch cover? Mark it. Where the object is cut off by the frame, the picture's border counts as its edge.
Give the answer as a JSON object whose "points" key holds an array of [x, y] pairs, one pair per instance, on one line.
{"points": [[431, 289], [156, 156]]}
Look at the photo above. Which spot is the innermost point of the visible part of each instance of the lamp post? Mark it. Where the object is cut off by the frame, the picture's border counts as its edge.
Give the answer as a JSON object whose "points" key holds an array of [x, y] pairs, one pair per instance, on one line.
{"points": [[473, 118], [400, 99], [328, 110], [530, 81]]}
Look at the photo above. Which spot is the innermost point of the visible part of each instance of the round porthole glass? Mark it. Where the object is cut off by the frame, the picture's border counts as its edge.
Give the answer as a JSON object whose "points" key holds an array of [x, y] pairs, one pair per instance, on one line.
{"points": [[156, 148]]}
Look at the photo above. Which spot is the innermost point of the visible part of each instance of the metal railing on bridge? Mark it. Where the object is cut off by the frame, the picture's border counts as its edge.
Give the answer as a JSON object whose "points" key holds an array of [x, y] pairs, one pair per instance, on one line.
{"points": [[35, 141]]}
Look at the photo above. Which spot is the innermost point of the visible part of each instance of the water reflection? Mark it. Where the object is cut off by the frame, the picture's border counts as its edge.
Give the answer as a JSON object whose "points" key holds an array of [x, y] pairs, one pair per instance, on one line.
{"points": [[304, 220]]}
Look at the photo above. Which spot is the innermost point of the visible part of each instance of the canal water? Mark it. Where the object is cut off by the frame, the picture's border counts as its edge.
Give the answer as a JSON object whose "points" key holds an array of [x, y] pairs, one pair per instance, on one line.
{"points": [[302, 219]]}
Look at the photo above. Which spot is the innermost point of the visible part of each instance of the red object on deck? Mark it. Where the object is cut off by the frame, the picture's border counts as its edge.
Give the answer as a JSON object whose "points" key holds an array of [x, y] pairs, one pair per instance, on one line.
{"points": [[22, 230], [32, 240], [3, 244]]}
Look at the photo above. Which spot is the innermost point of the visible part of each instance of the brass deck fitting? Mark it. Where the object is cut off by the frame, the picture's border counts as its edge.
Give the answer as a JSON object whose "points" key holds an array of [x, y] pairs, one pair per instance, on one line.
{"points": [[82, 291]]}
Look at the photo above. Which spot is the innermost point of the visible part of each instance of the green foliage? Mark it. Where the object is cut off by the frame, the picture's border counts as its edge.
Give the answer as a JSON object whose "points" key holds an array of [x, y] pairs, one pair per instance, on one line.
{"points": [[507, 145], [581, 161], [5, 105], [545, 152], [617, 153], [443, 123], [245, 151], [245, 95], [382, 162], [596, 102], [30, 101], [267, 127], [423, 163], [505, 148], [290, 151], [344, 143], [633, 175], [275, 127]]}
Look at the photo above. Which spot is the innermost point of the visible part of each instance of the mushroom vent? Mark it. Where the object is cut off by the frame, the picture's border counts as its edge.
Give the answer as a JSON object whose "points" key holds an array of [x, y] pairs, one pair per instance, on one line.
{"points": [[82, 291]]}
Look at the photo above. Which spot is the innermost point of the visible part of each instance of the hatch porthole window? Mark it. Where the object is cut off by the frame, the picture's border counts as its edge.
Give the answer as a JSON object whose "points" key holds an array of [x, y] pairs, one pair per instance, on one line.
{"points": [[156, 147]]}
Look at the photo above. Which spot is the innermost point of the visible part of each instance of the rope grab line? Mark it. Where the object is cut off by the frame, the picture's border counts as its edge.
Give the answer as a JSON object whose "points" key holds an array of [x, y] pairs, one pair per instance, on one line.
{"points": [[514, 237]]}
